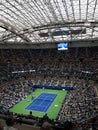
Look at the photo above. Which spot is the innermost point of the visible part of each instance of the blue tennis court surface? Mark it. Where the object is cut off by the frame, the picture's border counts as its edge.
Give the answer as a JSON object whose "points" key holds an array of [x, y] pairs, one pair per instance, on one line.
{"points": [[42, 102]]}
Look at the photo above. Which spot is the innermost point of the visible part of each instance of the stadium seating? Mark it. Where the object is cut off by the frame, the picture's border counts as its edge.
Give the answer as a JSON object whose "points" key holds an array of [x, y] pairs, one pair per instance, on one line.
{"points": [[24, 70]]}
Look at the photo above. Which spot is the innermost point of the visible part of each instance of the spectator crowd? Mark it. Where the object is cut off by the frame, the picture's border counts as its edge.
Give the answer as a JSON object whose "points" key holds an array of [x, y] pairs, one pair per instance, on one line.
{"points": [[20, 70]]}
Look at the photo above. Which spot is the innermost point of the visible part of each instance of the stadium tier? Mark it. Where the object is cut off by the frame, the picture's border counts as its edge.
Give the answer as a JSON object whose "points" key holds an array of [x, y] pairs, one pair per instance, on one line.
{"points": [[62, 84]]}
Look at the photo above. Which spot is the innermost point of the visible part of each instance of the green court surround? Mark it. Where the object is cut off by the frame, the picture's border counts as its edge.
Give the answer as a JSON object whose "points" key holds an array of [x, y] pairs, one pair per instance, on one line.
{"points": [[52, 111]]}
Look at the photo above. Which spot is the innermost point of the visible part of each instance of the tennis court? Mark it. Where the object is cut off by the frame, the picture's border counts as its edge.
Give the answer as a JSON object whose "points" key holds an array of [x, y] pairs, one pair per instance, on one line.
{"points": [[42, 102], [53, 109]]}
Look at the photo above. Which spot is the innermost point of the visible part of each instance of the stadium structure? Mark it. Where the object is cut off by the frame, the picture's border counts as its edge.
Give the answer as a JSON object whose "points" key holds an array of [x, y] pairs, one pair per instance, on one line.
{"points": [[49, 61]]}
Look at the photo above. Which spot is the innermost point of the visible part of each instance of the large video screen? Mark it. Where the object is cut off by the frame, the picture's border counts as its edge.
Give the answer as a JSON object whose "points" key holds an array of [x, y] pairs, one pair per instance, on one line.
{"points": [[62, 46]]}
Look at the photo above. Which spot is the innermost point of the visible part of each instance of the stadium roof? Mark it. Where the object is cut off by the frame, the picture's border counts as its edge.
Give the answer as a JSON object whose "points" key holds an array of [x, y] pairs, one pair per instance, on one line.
{"points": [[47, 21]]}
